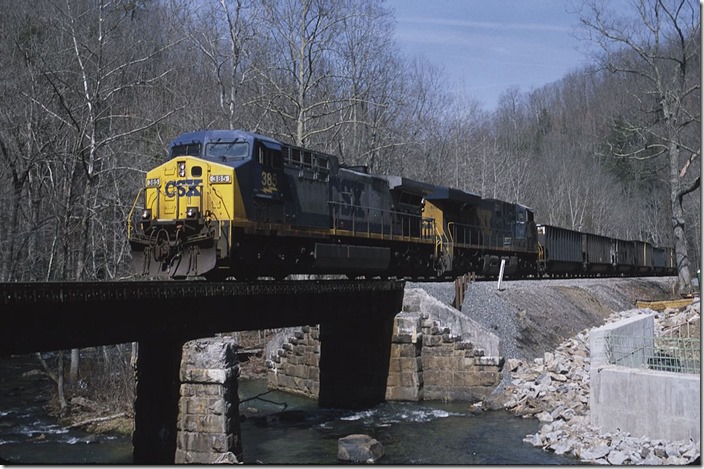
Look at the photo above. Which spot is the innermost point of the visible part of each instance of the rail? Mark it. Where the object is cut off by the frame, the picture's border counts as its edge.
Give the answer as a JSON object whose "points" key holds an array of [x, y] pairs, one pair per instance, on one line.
{"points": [[675, 354]]}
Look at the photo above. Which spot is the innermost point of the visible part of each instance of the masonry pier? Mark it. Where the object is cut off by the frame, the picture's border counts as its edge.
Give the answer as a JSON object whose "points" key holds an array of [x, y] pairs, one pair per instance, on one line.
{"points": [[208, 419], [427, 351]]}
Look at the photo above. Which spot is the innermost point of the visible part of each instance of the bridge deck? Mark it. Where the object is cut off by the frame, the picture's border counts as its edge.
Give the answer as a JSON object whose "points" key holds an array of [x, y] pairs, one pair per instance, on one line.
{"points": [[45, 316]]}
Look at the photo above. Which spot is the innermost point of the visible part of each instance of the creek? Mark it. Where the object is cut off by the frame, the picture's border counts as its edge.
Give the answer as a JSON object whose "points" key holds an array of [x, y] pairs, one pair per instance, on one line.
{"points": [[278, 428]]}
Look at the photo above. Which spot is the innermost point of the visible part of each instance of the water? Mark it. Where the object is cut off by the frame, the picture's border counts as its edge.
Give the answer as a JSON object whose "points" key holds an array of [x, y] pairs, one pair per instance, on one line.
{"points": [[29, 436], [411, 433], [279, 428]]}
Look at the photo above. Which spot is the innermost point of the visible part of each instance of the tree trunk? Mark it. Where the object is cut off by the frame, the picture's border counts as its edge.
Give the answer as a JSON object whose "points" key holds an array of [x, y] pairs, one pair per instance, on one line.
{"points": [[684, 276], [75, 364], [60, 383], [57, 378], [133, 355]]}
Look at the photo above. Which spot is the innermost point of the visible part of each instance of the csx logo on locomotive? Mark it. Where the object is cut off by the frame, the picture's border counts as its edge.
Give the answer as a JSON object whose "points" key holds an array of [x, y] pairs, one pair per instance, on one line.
{"points": [[351, 195], [183, 188]]}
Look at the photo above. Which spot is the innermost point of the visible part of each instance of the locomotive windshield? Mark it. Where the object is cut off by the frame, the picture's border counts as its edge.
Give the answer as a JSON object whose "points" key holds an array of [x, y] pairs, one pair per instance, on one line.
{"points": [[189, 149], [227, 151]]}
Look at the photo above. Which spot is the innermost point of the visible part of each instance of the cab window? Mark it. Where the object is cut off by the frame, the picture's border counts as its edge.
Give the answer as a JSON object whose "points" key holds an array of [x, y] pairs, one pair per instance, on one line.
{"points": [[189, 149], [227, 151], [269, 157]]}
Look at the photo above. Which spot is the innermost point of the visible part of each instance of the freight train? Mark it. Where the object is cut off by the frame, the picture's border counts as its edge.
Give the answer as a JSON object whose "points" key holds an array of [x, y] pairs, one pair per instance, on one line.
{"points": [[230, 203]]}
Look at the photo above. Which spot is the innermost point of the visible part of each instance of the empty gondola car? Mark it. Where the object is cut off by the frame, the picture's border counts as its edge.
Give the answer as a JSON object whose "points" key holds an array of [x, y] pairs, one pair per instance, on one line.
{"points": [[560, 251]]}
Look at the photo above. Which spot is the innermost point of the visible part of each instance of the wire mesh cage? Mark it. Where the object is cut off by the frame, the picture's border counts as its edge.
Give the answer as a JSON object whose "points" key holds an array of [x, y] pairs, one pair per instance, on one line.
{"points": [[674, 354]]}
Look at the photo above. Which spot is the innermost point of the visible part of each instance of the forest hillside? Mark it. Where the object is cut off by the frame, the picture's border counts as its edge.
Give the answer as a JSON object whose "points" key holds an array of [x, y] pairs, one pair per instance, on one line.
{"points": [[91, 92]]}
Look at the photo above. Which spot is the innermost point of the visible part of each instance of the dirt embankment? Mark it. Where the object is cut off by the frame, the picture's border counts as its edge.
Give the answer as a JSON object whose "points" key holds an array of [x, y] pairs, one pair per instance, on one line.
{"points": [[532, 317], [556, 312]]}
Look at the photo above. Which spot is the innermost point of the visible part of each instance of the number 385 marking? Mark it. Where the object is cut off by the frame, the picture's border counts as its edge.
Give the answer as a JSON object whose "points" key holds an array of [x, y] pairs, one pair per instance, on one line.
{"points": [[269, 182]]}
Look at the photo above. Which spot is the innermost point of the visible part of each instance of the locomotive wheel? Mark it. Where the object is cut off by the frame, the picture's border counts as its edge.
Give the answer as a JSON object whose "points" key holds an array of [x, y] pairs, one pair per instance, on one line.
{"points": [[162, 246]]}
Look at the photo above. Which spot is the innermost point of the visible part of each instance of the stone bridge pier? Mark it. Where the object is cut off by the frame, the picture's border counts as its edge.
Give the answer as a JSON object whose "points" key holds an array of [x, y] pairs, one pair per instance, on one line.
{"points": [[187, 406], [427, 351], [199, 424]]}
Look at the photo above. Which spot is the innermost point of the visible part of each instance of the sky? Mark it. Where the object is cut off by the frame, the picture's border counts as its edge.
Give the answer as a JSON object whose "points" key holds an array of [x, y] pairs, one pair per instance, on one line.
{"points": [[489, 46]]}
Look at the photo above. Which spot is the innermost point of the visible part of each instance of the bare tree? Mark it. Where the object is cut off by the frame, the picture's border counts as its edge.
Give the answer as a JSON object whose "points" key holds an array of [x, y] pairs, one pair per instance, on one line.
{"points": [[658, 47], [224, 37], [370, 73], [81, 68], [25, 143], [301, 72]]}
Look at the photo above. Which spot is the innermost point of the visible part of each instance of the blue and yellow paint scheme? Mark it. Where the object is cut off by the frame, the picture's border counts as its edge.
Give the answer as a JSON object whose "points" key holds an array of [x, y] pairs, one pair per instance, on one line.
{"points": [[191, 204], [188, 207]]}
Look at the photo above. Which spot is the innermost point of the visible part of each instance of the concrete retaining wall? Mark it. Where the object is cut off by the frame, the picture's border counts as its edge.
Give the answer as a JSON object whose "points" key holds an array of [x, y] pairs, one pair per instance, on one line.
{"points": [[643, 402]]}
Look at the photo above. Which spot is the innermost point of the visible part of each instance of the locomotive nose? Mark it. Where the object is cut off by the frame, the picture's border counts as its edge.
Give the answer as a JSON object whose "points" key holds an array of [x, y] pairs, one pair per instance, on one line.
{"points": [[182, 230]]}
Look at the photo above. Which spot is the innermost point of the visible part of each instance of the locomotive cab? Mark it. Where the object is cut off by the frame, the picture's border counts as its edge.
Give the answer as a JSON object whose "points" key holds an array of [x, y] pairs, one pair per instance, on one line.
{"points": [[525, 229]]}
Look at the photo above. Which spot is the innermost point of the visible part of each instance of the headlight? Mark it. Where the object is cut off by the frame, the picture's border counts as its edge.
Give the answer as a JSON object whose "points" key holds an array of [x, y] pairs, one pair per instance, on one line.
{"points": [[182, 169], [147, 214], [191, 212], [153, 182]]}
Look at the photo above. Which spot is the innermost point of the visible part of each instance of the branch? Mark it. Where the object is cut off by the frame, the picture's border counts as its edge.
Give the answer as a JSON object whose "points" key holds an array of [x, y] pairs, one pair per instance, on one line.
{"points": [[684, 169], [114, 137], [51, 375], [691, 188], [96, 420], [635, 155]]}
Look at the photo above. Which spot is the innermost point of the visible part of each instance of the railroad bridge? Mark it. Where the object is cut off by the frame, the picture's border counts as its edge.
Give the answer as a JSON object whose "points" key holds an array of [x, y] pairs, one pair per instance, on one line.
{"points": [[163, 316]]}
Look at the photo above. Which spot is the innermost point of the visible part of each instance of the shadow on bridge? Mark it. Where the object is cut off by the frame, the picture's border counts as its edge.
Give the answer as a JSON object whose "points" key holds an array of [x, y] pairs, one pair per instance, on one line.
{"points": [[355, 317]]}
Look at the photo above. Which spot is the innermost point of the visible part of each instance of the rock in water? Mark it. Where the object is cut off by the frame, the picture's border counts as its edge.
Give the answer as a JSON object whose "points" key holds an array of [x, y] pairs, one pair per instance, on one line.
{"points": [[359, 448]]}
